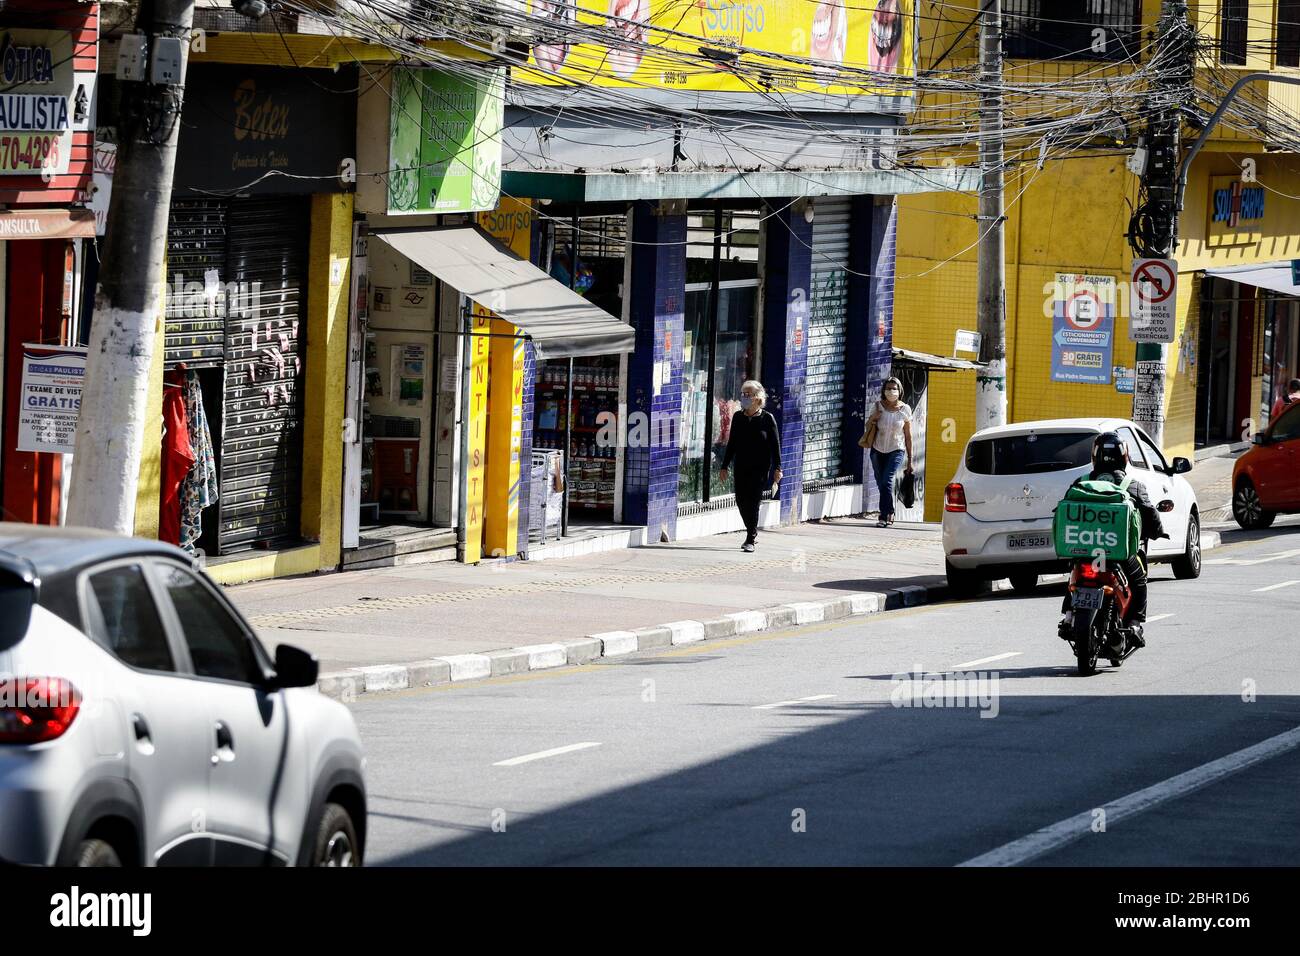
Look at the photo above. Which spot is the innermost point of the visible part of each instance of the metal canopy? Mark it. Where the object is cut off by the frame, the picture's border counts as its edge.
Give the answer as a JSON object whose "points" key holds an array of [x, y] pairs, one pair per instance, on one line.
{"points": [[936, 361], [559, 322], [626, 187], [1274, 276]]}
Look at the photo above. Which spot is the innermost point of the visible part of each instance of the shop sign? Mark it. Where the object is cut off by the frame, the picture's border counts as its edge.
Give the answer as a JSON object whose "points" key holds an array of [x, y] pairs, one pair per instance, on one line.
{"points": [[46, 224], [266, 130], [51, 398], [725, 46], [1236, 212], [1083, 323], [445, 142], [44, 101]]}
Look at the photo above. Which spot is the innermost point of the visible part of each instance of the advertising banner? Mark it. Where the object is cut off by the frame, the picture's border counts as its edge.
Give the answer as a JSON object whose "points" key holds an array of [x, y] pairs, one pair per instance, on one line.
{"points": [[1083, 328], [445, 143], [742, 46], [51, 398], [43, 101]]}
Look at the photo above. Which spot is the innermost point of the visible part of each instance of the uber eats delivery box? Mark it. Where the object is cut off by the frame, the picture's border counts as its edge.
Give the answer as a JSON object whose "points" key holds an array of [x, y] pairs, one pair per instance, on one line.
{"points": [[1097, 516]]}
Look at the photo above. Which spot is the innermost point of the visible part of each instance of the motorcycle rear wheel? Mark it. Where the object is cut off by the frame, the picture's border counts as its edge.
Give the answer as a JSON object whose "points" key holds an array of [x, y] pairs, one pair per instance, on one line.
{"points": [[1087, 642]]}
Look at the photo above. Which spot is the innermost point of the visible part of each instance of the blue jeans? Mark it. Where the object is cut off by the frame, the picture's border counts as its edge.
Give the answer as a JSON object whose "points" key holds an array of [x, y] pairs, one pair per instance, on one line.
{"points": [[886, 467]]}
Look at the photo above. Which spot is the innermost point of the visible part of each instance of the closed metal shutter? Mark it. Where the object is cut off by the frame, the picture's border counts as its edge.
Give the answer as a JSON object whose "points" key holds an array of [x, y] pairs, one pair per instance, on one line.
{"points": [[828, 317], [195, 329], [261, 444]]}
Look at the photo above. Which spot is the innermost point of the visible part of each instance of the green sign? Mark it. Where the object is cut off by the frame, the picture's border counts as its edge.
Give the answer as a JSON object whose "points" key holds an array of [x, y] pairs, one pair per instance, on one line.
{"points": [[445, 145]]}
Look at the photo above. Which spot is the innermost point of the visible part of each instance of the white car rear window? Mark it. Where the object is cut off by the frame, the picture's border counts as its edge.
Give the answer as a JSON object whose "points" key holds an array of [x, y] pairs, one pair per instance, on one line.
{"points": [[1029, 454]]}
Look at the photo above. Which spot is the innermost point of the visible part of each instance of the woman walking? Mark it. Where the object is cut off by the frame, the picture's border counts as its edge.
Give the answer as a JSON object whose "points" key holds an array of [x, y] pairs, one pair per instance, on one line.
{"points": [[893, 441], [754, 444]]}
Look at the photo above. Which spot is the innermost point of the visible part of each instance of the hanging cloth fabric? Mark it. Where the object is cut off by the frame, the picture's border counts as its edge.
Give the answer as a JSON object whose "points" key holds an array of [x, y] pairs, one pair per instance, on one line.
{"points": [[177, 458], [199, 490]]}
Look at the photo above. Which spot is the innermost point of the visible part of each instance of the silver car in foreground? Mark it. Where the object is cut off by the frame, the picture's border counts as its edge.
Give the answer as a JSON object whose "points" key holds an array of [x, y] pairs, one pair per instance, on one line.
{"points": [[143, 723]]}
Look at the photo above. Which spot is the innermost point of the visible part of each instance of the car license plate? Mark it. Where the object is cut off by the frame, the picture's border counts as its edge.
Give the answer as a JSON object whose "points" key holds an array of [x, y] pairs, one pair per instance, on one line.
{"points": [[1088, 598], [1024, 540]]}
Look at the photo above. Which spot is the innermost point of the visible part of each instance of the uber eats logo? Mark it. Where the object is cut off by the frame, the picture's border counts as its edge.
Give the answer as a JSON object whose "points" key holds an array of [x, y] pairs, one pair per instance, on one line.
{"points": [[1101, 526]]}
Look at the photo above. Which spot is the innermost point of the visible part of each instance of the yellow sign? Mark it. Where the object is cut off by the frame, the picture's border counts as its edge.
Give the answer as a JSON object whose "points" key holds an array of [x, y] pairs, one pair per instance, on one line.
{"points": [[511, 224], [739, 46], [476, 423]]}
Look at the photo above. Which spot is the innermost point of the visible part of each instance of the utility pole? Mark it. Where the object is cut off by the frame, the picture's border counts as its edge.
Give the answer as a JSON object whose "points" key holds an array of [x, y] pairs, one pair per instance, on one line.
{"points": [[991, 379], [1153, 232], [129, 297]]}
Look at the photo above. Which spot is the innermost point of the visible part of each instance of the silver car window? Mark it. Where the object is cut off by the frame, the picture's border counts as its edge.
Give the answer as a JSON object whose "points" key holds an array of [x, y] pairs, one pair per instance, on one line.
{"points": [[217, 643], [125, 621], [1135, 456]]}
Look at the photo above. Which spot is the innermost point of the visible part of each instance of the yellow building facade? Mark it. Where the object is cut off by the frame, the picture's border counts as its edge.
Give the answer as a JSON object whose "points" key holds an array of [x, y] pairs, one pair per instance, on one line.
{"points": [[1071, 215]]}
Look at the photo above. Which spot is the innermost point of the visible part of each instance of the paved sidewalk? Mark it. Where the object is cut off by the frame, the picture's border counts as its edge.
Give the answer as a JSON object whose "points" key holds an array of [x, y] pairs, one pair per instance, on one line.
{"points": [[457, 622], [392, 615]]}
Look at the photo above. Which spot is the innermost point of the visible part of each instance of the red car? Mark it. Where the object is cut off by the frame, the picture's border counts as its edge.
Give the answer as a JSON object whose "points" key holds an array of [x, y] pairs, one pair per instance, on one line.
{"points": [[1266, 480]]}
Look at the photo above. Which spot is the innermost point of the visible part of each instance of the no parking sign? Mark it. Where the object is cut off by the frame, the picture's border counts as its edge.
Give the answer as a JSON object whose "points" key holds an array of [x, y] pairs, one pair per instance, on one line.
{"points": [[1152, 297]]}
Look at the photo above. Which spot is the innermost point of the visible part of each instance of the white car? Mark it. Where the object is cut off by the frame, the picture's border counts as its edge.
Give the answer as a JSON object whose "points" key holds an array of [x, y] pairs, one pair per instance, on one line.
{"points": [[997, 516], [142, 722]]}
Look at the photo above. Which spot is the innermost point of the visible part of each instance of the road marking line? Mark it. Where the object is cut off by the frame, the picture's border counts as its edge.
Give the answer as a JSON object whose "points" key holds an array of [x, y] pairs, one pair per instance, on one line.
{"points": [[543, 754], [1243, 562], [985, 660], [1159, 617], [1274, 587], [1051, 838], [787, 703]]}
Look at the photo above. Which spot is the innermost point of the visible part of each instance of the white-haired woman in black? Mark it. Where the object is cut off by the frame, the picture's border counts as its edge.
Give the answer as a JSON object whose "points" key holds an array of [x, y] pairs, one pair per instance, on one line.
{"points": [[755, 447]]}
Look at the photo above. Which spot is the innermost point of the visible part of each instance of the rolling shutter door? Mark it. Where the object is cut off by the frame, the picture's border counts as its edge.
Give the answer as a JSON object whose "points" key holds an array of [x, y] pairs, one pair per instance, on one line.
{"points": [[828, 317], [261, 444], [195, 329]]}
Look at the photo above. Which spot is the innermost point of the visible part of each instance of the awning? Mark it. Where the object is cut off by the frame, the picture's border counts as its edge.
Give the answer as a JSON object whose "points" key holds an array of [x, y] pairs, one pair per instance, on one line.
{"points": [[560, 323], [935, 361], [1274, 276]]}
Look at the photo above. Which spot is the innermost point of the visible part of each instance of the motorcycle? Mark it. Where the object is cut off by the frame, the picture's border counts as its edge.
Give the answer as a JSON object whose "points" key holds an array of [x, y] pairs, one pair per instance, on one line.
{"points": [[1099, 597]]}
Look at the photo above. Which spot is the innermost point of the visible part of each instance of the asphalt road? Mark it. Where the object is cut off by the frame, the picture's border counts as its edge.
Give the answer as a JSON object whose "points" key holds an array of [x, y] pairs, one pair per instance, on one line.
{"points": [[791, 747]]}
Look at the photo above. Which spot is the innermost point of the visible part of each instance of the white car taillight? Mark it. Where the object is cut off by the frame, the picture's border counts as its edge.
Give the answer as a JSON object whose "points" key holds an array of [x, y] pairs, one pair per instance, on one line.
{"points": [[36, 709]]}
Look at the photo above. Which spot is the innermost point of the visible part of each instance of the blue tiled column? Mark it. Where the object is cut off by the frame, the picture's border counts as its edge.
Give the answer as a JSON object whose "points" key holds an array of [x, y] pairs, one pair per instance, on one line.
{"points": [[656, 297], [787, 279], [869, 338]]}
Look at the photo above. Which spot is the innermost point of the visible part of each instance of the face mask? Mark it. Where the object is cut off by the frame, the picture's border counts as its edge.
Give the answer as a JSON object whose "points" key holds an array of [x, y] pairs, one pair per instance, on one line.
{"points": [[746, 401], [891, 394]]}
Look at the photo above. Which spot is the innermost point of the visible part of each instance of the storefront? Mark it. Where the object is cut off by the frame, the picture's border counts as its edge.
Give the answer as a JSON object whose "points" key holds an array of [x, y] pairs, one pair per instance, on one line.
{"points": [[1249, 348], [258, 143], [46, 233]]}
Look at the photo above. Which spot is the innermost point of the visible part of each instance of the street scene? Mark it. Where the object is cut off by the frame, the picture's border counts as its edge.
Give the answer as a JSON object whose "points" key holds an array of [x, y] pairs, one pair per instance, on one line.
{"points": [[791, 433]]}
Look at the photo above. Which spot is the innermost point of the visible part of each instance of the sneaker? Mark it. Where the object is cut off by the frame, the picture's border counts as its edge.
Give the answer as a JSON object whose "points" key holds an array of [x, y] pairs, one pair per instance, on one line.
{"points": [[1135, 634], [747, 547], [1065, 630]]}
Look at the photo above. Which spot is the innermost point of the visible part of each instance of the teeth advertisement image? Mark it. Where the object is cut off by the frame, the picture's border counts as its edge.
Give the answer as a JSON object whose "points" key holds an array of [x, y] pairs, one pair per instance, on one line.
{"points": [[739, 46]]}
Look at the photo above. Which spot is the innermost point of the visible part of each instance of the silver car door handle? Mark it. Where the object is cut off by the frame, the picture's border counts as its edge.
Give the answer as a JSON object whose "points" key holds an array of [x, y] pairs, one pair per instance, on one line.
{"points": [[141, 727], [225, 742]]}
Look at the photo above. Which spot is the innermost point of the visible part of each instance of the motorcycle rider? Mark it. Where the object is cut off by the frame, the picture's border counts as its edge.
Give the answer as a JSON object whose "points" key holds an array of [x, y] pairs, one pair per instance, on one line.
{"points": [[1109, 463]]}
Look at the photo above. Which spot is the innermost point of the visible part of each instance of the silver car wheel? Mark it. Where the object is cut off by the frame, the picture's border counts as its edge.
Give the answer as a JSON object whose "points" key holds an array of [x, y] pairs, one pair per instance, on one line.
{"points": [[338, 850]]}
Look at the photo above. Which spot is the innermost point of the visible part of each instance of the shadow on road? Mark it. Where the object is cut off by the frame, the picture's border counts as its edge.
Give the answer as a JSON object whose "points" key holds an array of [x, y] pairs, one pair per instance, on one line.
{"points": [[882, 784]]}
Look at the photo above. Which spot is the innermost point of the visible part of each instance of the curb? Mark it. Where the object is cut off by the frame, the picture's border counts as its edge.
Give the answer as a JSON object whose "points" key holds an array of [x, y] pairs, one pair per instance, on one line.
{"points": [[347, 685]]}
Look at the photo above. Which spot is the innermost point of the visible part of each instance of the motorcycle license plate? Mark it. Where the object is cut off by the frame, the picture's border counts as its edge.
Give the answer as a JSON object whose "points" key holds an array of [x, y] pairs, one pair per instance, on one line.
{"points": [[1089, 598]]}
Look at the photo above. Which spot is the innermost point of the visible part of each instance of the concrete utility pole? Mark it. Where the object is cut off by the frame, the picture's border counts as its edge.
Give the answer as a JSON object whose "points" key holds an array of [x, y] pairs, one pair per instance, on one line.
{"points": [[1153, 232], [991, 380], [129, 297]]}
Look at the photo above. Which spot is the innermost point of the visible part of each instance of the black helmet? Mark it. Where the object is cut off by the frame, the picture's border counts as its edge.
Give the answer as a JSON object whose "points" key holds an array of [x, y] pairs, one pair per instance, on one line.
{"points": [[1109, 453]]}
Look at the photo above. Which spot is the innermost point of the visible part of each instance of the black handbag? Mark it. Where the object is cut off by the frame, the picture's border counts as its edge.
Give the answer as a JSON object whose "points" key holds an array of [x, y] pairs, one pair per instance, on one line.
{"points": [[907, 490]]}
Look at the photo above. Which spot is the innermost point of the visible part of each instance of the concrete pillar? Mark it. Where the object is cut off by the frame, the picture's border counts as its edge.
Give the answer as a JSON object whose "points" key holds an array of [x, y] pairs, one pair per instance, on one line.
{"points": [[656, 298], [787, 278], [325, 383]]}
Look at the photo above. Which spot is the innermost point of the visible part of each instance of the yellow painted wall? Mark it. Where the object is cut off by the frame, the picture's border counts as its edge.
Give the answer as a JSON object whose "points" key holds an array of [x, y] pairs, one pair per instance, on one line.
{"points": [[328, 276], [148, 493], [1071, 216]]}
